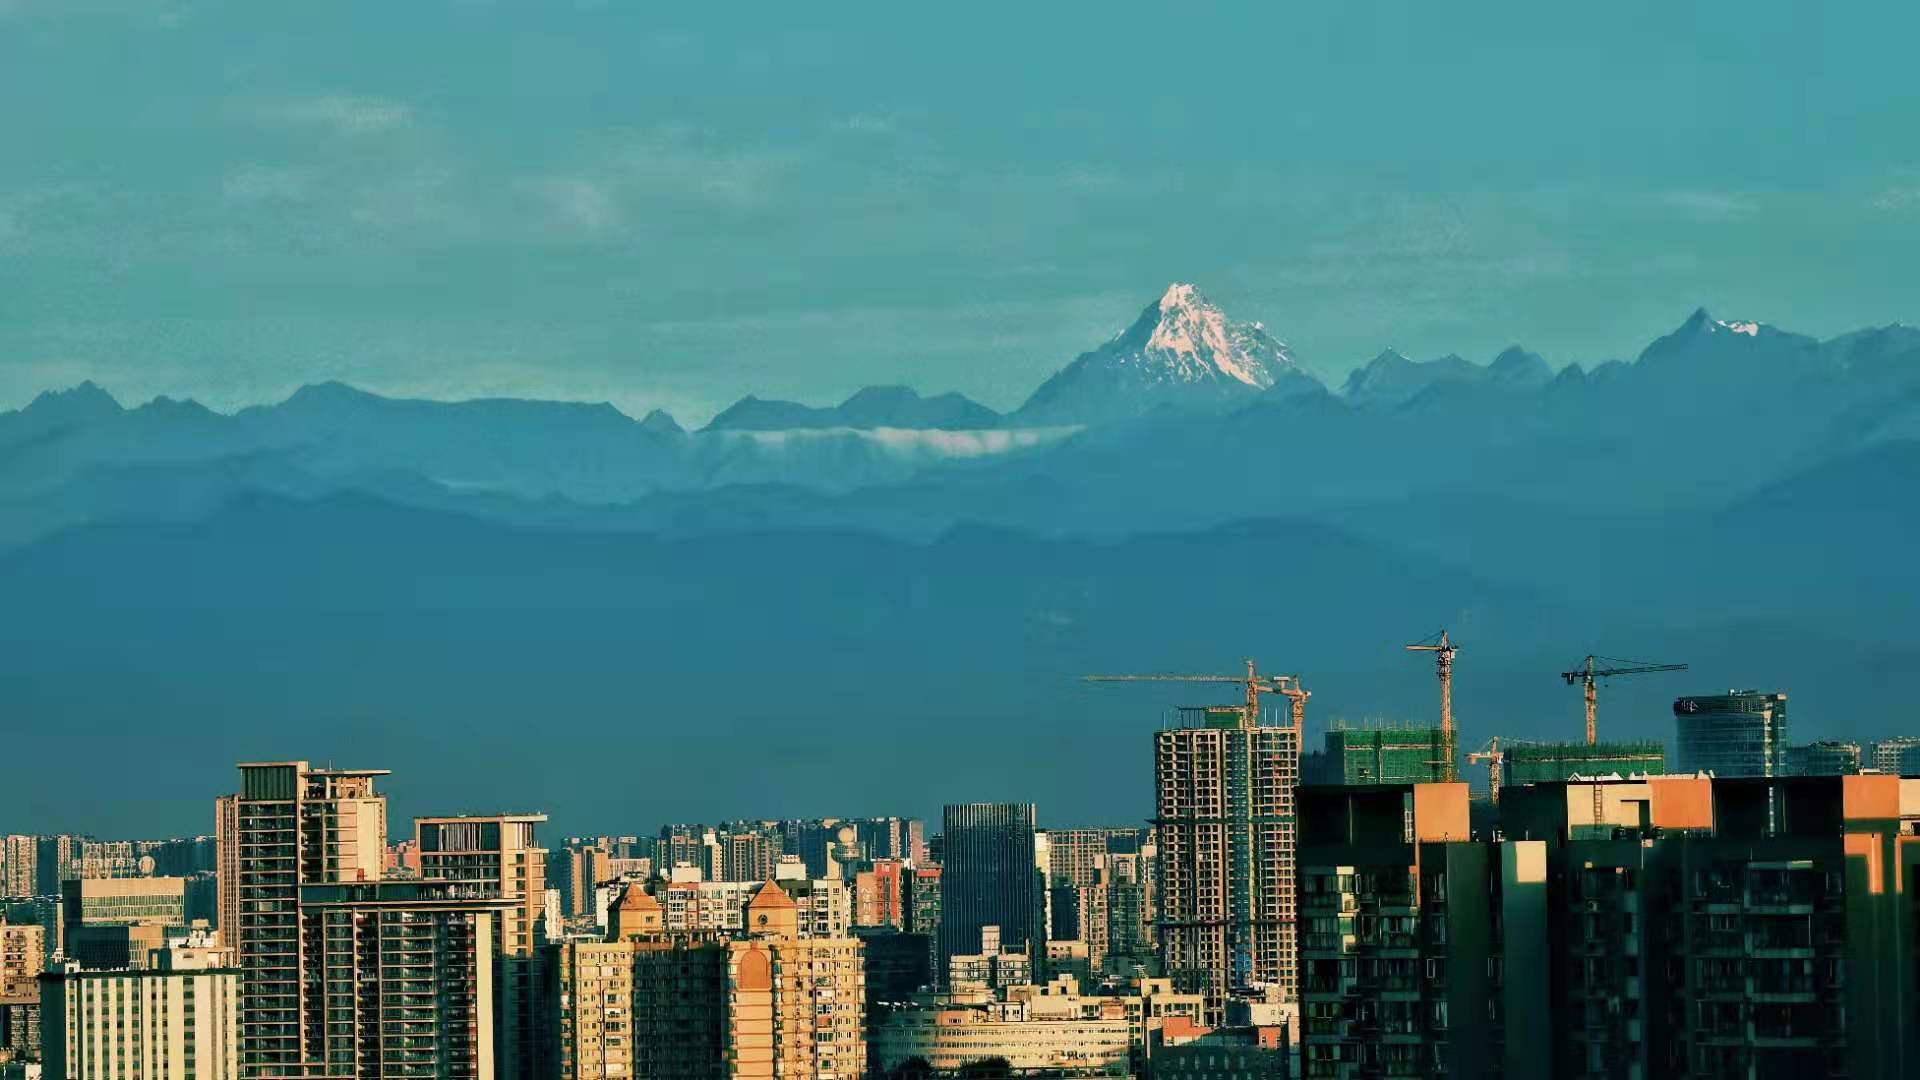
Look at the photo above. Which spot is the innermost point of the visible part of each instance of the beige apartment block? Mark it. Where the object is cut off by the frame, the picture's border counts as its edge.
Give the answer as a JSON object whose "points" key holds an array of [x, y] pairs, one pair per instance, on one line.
{"points": [[176, 1020]]}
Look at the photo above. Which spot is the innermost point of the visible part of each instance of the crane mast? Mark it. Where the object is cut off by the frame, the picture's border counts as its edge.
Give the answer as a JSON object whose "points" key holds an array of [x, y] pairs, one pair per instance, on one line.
{"points": [[1443, 648], [1493, 759]]}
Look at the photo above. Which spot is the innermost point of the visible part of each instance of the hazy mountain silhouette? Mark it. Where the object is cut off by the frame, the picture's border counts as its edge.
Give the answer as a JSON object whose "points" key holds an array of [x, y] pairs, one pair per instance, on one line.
{"points": [[344, 622], [869, 408], [863, 581]]}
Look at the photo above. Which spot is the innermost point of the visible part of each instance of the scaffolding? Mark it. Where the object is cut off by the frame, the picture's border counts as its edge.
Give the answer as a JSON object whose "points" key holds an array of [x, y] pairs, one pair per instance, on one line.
{"points": [[1535, 763], [1386, 754]]}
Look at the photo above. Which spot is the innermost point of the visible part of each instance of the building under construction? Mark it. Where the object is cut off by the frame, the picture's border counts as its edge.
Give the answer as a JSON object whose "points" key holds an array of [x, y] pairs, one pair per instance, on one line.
{"points": [[1543, 763], [1225, 783], [1379, 755]]}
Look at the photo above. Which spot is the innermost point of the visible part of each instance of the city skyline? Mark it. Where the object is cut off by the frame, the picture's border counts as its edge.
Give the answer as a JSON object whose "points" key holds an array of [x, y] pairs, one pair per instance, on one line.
{"points": [[612, 541], [455, 939]]}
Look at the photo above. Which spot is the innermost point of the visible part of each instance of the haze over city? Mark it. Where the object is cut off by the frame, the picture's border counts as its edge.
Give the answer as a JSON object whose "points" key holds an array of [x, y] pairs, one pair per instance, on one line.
{"points": [[590, 541]]}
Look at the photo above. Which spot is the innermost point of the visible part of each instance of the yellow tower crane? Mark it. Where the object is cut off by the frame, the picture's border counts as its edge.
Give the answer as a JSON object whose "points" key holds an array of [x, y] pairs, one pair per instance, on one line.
{"points": [[1442, 648], [1587, 672], [1287, 686], [1493, 759]]}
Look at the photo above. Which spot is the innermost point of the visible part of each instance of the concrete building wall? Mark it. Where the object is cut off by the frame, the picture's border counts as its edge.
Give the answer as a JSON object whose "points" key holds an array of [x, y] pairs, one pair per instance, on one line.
{"points": [[948, 1038], [146, 1025], [1523, 964]]}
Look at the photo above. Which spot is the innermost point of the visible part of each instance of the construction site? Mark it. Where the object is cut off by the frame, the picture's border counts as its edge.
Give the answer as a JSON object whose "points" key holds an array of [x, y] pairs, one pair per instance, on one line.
{"points": [[1544, 762], [1386, 753], [1377, 752]]}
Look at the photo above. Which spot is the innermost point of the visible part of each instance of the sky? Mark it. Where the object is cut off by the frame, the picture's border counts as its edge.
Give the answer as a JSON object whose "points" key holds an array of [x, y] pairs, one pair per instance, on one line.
{"points": [[675, 205]]}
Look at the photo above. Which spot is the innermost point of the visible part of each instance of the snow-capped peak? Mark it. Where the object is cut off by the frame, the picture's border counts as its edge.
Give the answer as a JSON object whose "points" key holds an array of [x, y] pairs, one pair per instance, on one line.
{"points": [[1194, 340], [1751, 329]]}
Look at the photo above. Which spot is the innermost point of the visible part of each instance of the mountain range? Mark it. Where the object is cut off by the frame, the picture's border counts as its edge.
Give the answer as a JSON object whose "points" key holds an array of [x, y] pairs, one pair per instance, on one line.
{"points": [[298, 578]]}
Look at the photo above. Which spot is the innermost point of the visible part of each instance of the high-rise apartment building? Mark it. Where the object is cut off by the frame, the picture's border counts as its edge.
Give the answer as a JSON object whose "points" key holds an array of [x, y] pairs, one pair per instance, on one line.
{"points": [[591, 1008], [879, 894], [1738, 733], [923, 910], [1755, 926], [1658, 926], [497, 855], [696, 907], [991, 878], [174, 1018], [56, 859], [764, 1003], [1129, 915], [812, 840], [583, 866], [19, 862], [1400, 972], [293, 826], [890, 838], [403, 974], [226, 865], [1080, 913], [1223, 791], [747, 855], [23, 954], [1898, 756], [1076, 857]]}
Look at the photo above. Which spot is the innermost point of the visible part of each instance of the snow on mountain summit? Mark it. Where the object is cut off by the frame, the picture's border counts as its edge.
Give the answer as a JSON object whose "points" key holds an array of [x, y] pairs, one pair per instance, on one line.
{"points": [[1193, 340], [1182, 351]]}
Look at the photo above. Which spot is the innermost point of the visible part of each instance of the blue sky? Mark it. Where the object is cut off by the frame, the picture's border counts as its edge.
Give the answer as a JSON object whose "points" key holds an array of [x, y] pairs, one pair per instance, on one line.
{"points": [[675, 205]]}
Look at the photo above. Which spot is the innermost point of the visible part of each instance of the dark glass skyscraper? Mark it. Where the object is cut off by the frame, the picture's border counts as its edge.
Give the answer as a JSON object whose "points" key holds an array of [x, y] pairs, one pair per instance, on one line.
{"points": [[1738, 733], [990, 878]]}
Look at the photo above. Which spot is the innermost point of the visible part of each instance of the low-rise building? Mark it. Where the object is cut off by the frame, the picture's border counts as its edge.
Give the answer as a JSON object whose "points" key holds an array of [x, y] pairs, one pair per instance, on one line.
{"points": [[1186, 1051], [949, 1031], [1824, 757]]}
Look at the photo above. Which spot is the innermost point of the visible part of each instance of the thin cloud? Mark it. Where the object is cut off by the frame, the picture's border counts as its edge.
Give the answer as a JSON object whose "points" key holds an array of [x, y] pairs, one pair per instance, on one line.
{"points": [[266, 183], [1712, 205], [867, 124], [580, 203], [1897, 199], [344, 115]]}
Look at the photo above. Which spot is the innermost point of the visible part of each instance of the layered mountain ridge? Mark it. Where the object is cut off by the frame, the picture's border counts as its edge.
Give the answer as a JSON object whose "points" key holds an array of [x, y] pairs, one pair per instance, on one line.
{"points": [[351, 567]]}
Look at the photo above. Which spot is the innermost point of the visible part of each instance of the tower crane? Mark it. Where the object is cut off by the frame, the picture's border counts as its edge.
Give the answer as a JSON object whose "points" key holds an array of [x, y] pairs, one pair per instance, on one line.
{"points": [[1287, 686], [1493, 758], [1442, 648], [1587, 672]]}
